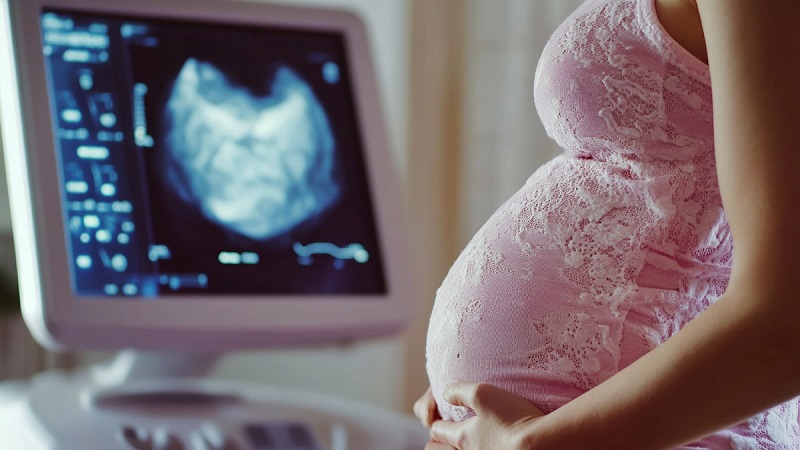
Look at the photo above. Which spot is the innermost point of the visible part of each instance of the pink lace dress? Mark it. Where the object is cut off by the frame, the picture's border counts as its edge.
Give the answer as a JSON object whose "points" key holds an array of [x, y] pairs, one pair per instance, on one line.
{"points": [[608, 249]]}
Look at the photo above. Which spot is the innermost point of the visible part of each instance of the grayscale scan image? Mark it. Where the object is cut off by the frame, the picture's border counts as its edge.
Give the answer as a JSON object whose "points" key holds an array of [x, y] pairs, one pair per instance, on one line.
{"points": [[255, 165]]}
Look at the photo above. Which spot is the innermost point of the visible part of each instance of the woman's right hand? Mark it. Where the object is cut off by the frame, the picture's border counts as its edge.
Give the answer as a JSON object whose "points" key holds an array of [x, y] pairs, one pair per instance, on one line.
{"points": [[425, 409]]}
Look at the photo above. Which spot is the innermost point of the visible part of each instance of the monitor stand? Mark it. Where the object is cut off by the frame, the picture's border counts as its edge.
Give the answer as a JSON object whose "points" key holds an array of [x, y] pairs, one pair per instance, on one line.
{"points": [[163, 401]]}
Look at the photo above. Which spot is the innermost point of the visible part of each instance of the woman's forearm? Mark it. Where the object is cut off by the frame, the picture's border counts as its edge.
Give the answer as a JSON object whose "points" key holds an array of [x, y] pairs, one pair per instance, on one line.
{"points": [[731, 362]]}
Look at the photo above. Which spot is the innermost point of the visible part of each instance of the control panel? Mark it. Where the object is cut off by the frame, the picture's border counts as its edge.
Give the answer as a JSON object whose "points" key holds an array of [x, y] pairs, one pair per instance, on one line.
{"points": [[208, 436]]}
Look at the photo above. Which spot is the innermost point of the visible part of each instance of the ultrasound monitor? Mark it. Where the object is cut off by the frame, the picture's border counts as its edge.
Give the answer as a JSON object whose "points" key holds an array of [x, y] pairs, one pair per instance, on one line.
{"points": [[198, 175]]}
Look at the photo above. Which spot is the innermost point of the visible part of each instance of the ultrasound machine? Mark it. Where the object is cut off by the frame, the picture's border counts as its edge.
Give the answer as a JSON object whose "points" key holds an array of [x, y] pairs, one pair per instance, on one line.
{"points": [[189, 178]]}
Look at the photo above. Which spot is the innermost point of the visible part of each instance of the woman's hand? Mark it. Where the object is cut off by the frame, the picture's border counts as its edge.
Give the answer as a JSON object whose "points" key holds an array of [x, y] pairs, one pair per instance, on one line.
{"points": [[500, 422], [425, 409]]}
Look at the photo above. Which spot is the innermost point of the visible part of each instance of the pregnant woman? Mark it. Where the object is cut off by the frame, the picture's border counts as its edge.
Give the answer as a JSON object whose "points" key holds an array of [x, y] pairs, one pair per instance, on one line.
{"points": [[602, 305]]}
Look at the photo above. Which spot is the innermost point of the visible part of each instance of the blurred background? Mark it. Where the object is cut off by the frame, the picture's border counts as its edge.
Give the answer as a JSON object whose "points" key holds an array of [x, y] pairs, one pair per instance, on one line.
{"points": [[456, 79]]}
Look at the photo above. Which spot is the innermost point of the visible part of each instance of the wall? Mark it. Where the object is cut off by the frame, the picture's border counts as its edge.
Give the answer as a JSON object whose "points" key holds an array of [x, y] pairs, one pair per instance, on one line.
{"points": [[436, 110]]}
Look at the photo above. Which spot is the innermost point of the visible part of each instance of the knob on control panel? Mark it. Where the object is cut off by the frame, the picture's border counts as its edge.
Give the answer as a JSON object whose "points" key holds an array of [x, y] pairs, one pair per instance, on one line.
{"points": [[211, 437], [138, 438]]}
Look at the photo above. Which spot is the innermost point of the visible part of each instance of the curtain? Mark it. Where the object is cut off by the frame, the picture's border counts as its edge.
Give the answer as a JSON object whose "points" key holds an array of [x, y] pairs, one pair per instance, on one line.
{"points": [[503, 139]]}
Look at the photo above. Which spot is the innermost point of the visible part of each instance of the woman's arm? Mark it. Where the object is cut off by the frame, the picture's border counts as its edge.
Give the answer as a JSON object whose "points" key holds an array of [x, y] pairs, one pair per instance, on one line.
{"points": [[742, 355]]}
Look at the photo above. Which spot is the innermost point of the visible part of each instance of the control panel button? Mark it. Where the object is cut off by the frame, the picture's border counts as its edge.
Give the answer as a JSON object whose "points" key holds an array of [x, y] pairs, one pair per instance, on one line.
{"points": [[280, 436], [211, 437], [138, 438]]}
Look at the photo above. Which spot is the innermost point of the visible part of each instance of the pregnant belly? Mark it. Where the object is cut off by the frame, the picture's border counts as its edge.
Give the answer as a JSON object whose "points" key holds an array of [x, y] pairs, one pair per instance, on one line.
{"points": [[548, 303], [509, 314]]}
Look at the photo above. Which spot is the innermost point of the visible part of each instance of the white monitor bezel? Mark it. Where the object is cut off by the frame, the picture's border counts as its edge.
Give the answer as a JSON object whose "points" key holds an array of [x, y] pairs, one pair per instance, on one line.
{"points": [[58, 319]]}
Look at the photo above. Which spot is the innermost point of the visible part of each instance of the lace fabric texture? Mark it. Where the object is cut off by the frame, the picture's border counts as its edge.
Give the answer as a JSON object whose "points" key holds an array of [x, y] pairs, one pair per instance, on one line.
{"points": [[608, 249]]}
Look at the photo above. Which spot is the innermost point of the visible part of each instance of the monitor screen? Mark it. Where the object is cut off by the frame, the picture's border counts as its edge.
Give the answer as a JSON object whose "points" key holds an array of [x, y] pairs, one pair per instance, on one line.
{"points": [[207, 158], [199, 174]]}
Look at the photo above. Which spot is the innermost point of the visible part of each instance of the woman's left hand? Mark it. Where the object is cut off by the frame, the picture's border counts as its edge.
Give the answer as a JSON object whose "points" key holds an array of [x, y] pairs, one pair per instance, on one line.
{"points": [[500, 421]]}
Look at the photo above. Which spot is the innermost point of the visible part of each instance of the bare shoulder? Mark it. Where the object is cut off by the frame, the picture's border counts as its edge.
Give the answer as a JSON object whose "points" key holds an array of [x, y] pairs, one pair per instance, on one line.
{"points": [[681, 19]]}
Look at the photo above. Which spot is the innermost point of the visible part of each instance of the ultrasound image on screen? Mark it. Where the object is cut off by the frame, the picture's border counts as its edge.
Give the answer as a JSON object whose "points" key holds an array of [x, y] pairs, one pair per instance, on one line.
{"points": [[232, 159], [258, 166]]}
